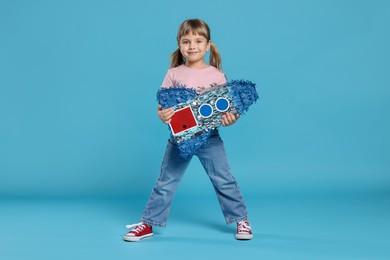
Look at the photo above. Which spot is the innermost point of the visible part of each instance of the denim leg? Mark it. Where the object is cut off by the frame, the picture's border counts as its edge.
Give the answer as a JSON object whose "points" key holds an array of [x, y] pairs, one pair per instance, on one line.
{"points": [[214, 160], [173, 167]]}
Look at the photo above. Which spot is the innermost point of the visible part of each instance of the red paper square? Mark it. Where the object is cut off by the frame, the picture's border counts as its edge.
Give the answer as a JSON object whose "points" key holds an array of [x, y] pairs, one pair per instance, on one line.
{"points": [[182, 120]]}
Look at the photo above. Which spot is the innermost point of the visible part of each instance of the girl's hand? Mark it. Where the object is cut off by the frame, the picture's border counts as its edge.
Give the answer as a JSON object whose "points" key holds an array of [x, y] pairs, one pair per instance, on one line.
{"points": [[229, 119], [165, 114]]}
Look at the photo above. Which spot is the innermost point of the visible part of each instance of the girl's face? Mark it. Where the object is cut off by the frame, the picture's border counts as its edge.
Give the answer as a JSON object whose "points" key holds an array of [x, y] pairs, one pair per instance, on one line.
{"points": [[194, 48]]}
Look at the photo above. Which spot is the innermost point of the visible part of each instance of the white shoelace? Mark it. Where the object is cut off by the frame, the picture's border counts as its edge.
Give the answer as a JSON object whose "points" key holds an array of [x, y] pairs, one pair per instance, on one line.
{"points": [[138, 227], [243, 226]]}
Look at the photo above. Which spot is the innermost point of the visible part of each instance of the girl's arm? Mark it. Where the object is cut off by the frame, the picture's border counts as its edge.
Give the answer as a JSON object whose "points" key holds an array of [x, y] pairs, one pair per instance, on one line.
{"points": [[165, 114], [229, 119]]}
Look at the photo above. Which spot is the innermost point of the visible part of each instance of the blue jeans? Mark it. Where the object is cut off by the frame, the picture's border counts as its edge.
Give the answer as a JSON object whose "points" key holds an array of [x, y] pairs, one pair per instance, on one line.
{"points": [[214, 160]]}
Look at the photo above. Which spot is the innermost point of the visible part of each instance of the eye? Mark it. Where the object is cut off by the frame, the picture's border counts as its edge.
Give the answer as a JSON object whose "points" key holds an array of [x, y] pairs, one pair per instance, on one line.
{"points": [[222, 104], [205, 110]]}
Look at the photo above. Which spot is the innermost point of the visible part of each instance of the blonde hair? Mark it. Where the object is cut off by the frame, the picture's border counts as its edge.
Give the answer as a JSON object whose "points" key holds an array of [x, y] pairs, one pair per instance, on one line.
{"points": [[195, 26]]}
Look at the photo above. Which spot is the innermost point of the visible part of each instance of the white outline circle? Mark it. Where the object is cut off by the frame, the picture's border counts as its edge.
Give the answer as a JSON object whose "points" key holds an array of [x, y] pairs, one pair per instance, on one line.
{"points": [[212, 110], [226, 101]]}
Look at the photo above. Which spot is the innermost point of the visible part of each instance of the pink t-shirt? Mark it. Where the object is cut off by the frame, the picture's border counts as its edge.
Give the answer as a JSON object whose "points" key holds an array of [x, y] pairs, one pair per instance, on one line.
{"points": [[199, 79]]}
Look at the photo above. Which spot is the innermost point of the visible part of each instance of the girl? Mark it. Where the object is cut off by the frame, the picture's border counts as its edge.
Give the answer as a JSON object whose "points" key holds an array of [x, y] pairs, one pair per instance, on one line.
{"points": [[189, 69]]}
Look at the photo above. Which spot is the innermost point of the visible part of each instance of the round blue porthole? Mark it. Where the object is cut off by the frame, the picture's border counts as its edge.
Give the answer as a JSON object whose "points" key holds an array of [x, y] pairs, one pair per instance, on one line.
{"points": [[205, 110], [222, 104]]}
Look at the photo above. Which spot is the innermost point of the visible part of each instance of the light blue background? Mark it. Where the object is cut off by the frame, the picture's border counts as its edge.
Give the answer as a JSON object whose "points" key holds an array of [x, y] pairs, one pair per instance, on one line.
{"points": [[78, 82], [81, 144]]}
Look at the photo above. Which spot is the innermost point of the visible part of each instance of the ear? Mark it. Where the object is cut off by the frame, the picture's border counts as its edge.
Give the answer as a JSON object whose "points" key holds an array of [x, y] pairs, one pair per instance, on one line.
{"points": [[208, 45]]}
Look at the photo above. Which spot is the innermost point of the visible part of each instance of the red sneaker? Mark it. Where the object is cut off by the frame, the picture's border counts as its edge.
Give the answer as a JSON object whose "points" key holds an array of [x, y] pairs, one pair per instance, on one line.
{"points": [[139, 231], [243, 230]]}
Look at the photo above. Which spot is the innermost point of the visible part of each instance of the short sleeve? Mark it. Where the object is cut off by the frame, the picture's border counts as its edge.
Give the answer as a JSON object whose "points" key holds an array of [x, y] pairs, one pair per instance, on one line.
{"points": [[220, 78], [223, 79], [168, 80]]}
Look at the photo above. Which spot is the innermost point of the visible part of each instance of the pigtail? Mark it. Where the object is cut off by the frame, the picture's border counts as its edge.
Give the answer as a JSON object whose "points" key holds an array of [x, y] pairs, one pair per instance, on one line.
{"points": [[215, 58], [176, 59]]}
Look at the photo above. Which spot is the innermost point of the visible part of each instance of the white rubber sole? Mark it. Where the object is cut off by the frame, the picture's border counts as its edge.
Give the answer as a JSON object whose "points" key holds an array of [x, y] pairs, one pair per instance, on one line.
{"points": [[244, 236], [135, 239]]}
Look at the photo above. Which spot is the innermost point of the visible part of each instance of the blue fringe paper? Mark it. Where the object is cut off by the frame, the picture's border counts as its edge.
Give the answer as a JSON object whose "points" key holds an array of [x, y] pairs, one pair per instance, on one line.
{"points": [[244, 94], [190, 146], [169, 97]]}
